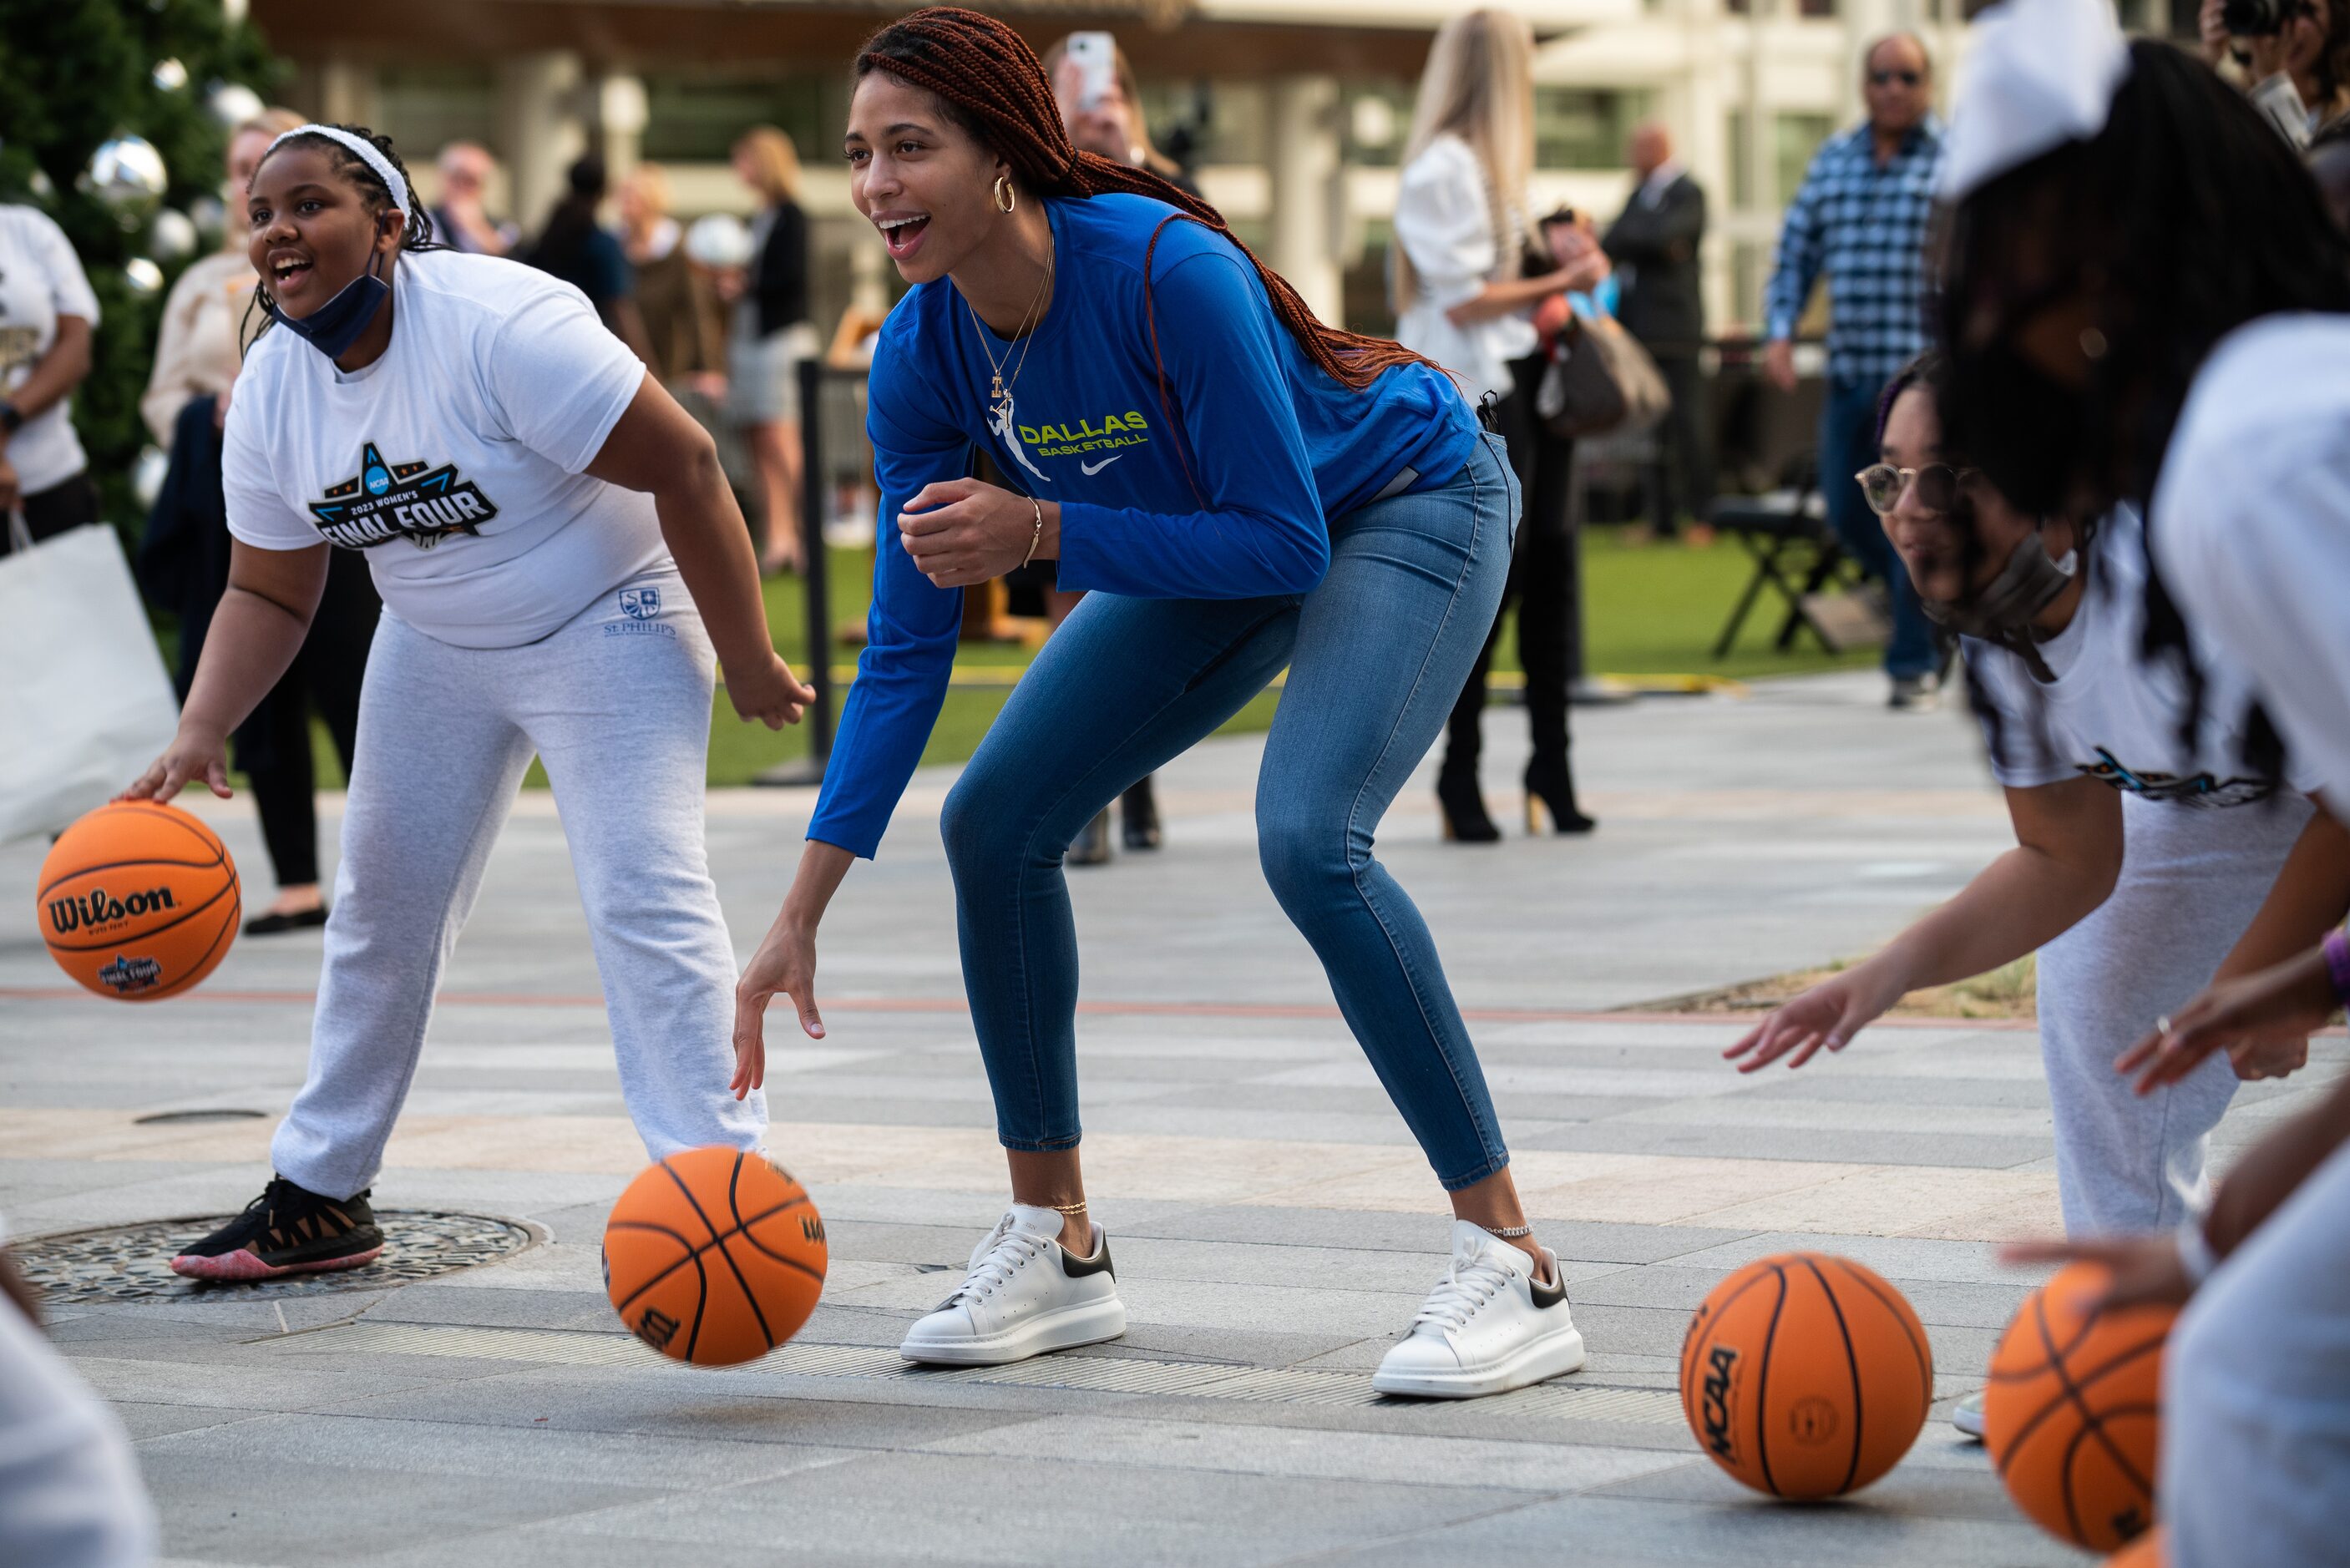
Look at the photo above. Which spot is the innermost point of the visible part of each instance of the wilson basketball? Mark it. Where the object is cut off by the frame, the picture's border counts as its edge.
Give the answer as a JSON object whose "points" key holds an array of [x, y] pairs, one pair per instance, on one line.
{"points": [[714, 1256], [1806, 1376], [139, 900], [2072, 1415]]}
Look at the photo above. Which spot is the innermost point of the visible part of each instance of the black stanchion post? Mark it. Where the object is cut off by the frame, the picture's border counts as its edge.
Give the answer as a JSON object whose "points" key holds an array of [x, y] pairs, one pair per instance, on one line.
{"points": [[817, 669]]}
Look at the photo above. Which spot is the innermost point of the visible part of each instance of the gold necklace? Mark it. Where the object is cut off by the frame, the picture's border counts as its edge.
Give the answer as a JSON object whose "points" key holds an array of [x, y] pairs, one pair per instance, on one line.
{"points": [[999, 396]]}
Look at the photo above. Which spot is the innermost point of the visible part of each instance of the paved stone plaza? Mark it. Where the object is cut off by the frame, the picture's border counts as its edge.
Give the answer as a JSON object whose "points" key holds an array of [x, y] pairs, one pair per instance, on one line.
{"points": [[1273, 1225]]}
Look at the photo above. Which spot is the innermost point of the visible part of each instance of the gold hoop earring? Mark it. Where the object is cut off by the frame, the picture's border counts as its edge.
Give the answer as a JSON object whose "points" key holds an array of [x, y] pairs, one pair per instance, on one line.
{"points": [[1006, 198]]}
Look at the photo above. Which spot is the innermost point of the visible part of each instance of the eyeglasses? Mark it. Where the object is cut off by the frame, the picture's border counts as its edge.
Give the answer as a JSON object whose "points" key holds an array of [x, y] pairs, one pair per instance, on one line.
{"points": [[1887, 79], [1882, 485]]}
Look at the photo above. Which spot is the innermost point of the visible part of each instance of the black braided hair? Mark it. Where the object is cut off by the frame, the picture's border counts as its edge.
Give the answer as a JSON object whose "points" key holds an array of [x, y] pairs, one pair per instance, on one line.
{"points": [[374, 194], [2185, 218]]}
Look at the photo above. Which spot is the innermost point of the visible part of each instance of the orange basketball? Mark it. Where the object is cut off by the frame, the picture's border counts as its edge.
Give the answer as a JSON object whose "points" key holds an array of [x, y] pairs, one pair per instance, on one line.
{"points": [[1806, 1376], [139, 900], [714, 1256], [2071, 1415]]}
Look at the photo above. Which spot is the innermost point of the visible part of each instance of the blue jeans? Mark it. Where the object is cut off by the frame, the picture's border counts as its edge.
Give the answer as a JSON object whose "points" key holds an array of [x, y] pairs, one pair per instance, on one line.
{"points": [[1375, 653], [1847, 445]]}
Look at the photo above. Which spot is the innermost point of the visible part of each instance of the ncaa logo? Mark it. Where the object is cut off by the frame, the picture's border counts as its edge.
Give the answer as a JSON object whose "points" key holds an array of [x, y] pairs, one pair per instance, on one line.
{"points": [[641, 604], [378, 482]]}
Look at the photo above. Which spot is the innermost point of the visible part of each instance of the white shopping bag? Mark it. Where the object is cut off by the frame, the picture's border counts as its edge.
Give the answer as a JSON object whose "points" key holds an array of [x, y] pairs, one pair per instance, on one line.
{"points": [[85, 703]]}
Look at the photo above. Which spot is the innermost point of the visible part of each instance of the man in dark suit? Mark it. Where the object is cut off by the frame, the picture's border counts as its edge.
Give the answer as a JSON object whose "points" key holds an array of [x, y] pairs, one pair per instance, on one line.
{"points": [[1654, 245]]}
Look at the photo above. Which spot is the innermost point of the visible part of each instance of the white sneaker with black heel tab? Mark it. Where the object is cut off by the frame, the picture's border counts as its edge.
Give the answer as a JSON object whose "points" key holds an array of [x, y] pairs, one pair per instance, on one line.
{"points": [[1024, 1295], [1489, 1327]]}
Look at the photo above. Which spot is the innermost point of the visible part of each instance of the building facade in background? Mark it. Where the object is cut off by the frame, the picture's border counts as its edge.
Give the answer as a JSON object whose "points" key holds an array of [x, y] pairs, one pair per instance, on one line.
{"points": [[1292, 111]]}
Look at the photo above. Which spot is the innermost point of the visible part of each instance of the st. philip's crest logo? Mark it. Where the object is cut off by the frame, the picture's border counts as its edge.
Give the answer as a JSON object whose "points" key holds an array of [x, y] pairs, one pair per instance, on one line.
{"points": [[409, 500]]}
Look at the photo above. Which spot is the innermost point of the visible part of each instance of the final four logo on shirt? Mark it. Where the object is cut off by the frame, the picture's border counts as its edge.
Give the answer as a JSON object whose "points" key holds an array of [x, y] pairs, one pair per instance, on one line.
{"points": [[401, 501]]}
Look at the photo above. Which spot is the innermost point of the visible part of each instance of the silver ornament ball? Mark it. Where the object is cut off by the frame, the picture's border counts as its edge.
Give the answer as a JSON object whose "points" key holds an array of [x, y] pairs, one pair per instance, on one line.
{"points": [[173, 235], [234, 103], [127, 175], [144, 275]]}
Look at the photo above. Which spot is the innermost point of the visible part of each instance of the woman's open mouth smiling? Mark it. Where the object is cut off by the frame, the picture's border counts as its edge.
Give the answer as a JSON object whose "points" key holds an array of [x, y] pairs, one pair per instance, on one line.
{"points": [[902, 231]]}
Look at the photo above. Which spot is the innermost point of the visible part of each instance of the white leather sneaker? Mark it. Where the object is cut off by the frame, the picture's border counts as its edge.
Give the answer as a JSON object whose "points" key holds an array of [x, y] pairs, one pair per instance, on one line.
{"points": [[1025, 1295], [1489, 1327]]}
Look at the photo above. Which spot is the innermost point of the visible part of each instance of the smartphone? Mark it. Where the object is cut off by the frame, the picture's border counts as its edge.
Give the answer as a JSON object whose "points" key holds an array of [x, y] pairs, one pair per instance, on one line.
{"points": [[1095, 55]]}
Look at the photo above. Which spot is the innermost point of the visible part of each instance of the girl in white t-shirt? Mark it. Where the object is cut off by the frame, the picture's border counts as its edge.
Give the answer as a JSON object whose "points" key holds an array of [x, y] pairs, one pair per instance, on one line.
{"points": [[550, 533], [2144, 864]]}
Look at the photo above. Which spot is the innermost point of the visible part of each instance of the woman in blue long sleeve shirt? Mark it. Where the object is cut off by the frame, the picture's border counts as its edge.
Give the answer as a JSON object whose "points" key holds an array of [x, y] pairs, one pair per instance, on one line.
{"points": [[1240, 488]]}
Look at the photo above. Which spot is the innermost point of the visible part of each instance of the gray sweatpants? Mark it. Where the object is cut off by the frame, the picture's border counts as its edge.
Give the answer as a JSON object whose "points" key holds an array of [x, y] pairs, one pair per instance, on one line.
{"points": [[617, 704], [2191, 880], [2256, 1395]]}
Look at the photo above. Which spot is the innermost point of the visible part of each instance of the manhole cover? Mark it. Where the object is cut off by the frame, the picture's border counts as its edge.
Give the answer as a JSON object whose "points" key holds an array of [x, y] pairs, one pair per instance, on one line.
{"points": [[204, 1116], [132, 1262]]}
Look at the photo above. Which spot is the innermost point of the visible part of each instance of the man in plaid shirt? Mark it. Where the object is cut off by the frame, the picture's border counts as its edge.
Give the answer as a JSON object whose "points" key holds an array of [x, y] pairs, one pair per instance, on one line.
{"points": [[1860, 219]]}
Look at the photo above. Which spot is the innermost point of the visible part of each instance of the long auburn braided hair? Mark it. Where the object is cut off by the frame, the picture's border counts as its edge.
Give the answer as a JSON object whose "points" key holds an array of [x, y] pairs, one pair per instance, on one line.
{"points": [[992, 86]]}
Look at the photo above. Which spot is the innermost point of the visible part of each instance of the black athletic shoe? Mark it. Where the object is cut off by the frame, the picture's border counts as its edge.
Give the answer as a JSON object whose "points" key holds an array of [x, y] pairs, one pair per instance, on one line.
{"points": [[272, 925], [1138, 815], [288, 1230]]}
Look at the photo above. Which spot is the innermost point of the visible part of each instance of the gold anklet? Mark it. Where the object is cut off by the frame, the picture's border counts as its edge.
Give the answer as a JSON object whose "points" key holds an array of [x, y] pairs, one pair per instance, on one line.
{"points": [[1076, 1207]]}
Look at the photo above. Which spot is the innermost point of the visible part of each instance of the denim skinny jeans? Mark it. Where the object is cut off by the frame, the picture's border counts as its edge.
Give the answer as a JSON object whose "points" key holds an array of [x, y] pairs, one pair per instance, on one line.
{"points": [[1375, 653]]}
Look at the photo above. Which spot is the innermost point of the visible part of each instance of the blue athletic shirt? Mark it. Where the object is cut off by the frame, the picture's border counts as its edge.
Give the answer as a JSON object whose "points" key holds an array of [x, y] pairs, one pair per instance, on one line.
{"points": [[1276, 447]]}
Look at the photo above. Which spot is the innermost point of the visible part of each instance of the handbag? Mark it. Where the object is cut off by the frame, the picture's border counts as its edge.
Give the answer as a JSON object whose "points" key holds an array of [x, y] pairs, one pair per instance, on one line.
{"points": [[1600, 382], [87, 705]]}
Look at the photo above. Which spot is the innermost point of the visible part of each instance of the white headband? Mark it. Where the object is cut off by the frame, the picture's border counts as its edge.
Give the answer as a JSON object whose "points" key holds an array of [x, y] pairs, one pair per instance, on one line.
{"points": [[367, 152], [2043, 72]]}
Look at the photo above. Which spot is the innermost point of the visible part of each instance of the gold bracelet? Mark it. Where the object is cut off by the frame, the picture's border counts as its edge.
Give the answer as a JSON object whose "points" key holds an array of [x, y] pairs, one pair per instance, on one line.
{"points": [[1037, 537]]}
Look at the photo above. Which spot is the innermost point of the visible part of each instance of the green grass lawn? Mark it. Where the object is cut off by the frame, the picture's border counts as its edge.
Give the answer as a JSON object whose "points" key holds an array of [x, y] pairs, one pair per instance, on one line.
{"points": [[1655, 610]]}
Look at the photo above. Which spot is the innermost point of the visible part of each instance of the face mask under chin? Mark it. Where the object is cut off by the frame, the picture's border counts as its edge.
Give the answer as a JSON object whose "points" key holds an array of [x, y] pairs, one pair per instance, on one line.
{"points": [[2003, 609], [334, 326]]}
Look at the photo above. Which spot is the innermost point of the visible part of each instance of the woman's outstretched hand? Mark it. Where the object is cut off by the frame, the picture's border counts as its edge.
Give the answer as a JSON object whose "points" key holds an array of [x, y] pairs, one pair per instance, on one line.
{"points": [[193, 754], [2243, 1017], [784, 965], [1828, 1015]]}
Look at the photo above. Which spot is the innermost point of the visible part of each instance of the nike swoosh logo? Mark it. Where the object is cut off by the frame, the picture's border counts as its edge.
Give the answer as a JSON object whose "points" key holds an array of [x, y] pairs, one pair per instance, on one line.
{"points": [[1090, 469]]}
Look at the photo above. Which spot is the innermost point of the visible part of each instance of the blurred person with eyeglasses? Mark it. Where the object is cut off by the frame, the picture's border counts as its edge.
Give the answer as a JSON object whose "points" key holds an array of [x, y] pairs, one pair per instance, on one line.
{"points": [[2158, 842], [460, 218], [1858, 223]]}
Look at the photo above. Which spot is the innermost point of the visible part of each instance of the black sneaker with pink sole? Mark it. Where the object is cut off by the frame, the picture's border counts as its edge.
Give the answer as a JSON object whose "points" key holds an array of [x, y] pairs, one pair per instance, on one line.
{"points": [[288, 1230]]}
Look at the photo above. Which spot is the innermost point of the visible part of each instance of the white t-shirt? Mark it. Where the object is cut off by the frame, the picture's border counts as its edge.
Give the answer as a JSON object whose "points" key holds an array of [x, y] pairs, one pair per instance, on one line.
{"points": [[2251, 526], [1445, 224], [454, 460], [2113, 714], [40, 280]]}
